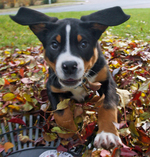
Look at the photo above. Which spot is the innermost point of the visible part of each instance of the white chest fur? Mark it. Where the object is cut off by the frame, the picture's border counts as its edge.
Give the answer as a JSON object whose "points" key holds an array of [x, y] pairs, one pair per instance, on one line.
{"points": [[79, 93]]}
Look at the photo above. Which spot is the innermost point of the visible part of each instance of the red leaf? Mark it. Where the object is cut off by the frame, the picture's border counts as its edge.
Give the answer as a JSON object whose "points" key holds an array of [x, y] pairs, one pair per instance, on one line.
{"points": [[148, 151], [89, 130], [127, 152], [136, 96], [21, 72], [61, 148], [138, 148], [17, 120], [143, 137]]}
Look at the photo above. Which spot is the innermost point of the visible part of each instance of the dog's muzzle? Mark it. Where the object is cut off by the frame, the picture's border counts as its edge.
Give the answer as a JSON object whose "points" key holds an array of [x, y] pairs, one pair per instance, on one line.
{"points": [[69, 67]]}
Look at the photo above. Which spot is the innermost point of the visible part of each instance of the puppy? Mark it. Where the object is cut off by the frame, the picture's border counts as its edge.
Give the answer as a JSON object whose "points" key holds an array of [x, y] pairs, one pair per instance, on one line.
{"points": [[73, 54]]}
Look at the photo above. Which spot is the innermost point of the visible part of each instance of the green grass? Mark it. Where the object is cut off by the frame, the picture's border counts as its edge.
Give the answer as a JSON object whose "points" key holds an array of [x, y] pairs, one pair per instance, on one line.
{"points": [[138, 27]]}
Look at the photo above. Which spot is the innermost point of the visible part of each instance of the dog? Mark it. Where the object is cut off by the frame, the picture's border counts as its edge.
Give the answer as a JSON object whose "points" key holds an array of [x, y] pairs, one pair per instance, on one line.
{"points": [[72, 51]]}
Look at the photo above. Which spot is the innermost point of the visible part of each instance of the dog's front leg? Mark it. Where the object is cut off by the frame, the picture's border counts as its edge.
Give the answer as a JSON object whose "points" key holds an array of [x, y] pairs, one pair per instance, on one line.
{"points": [[63, 118], [107, 135]]}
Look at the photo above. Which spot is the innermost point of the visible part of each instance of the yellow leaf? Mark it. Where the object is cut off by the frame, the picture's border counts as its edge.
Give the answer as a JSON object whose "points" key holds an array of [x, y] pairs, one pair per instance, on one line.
{"points": [[8, 96], [27, 52], [64, 142], [49, 136], [22, 62], [7, 52], [43, 70], [14, 107], [63, 104], [27, 97], [7, 146], [12, 80], [58, 130]]}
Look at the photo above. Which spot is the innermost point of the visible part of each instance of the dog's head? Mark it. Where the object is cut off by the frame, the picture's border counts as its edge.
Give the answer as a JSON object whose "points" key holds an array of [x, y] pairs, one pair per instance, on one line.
{"points": [[70, 44]]}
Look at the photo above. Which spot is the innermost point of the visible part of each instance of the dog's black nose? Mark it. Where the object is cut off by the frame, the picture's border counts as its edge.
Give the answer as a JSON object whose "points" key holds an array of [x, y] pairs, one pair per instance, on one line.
{"points": [[69, 67]]}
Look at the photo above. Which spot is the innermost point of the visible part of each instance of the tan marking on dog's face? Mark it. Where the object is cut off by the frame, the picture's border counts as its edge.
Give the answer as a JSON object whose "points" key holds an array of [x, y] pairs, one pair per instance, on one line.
{"points": [[50, 64], [88, 65], [58, 38], [38, 28], [106, 117], [79, 37], [102, 74]]}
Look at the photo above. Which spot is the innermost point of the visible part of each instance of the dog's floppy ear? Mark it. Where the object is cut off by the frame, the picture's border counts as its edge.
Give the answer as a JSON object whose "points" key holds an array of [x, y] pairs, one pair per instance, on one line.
{"points": [[108, 17], [37, 21]]}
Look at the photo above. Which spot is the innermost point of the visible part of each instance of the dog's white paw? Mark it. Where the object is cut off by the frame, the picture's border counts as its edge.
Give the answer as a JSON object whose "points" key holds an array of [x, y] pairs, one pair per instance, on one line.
{"points": [[107, 140]]}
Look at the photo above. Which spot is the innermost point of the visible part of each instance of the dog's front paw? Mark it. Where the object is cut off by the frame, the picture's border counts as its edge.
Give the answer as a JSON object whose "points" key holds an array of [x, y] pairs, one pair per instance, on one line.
{"points": [[107, 140]]}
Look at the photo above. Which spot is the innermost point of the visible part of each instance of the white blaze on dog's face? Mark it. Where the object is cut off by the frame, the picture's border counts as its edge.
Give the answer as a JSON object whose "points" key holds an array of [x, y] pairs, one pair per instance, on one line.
{"points": [[69, 68]]}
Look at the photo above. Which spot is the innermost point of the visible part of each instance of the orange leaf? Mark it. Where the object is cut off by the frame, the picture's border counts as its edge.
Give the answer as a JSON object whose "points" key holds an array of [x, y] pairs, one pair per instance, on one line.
{"points": [[20, 98], [22, 72], [6, 82], [7, 146]]}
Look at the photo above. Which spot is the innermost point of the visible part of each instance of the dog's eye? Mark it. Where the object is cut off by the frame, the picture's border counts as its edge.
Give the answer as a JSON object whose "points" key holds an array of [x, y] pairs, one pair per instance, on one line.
{"points": [[84, 44], [54, 45]]}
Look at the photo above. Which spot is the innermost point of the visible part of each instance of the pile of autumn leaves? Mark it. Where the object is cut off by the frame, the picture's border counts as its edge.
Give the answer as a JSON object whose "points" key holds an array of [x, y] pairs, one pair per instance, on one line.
{"points": [[22, 89]]}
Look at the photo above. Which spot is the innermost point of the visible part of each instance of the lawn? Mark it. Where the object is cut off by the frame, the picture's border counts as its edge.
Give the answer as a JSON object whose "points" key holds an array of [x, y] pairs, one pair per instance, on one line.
{"points": [[135, 28]]}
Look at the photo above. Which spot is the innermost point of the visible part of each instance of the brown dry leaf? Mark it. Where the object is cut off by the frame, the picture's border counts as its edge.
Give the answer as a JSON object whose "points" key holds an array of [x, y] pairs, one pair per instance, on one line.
{"points": [[8, 145], [124, 96]]}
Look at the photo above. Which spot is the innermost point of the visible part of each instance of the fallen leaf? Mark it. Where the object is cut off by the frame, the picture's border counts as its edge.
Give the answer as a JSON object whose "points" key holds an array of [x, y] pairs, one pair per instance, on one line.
{"points": [[7, 146], [24, 139], [133, 130], [143, 137], [49, 136], [63, 104], [2, 81], [1, 148], [8, 96], [105, 153], [61, 148], [128, 152], [17, 120], [58, 130], [124, 96]]}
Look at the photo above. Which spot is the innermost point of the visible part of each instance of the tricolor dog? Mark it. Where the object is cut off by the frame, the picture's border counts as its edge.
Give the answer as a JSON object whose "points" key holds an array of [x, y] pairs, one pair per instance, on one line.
{"points": [[72, 52]]}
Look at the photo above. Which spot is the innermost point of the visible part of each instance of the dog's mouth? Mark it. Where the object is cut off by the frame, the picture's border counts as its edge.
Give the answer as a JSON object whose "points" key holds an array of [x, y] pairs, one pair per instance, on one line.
{"points": [[70, 82]]}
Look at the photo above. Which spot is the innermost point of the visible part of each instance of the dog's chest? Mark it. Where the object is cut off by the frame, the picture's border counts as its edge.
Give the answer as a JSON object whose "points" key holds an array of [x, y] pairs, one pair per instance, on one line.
{"points": [[80, 93]]}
